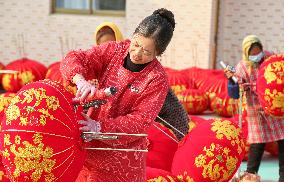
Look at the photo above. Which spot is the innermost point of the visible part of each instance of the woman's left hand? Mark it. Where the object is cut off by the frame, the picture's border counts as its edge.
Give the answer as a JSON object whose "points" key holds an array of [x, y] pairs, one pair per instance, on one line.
{"points": [[89, 125]]}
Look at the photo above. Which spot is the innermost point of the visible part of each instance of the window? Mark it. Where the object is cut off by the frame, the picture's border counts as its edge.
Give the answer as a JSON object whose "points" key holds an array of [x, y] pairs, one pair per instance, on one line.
{"points": [[98, 7]]}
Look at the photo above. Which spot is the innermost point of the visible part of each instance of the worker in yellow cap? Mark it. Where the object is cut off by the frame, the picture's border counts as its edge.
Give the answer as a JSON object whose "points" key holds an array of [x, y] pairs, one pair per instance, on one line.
{"points": [[107, 31]]}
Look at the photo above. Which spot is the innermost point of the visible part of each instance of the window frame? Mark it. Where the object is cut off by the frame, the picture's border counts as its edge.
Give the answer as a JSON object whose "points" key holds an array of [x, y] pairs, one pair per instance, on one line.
{"points": [[90, 11]]}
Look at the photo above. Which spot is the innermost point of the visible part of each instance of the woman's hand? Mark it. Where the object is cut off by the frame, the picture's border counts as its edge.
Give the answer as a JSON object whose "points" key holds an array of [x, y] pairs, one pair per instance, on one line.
{"points": [[228, 73], [89, 125], [85, 89]]}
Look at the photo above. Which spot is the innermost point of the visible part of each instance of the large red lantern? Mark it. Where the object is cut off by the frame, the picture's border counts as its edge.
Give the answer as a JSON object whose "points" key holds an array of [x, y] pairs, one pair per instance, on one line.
{"points": [[28, 71], [270, 85], [162, 147], [40, 135], [53, 73], [194, 101], [224, 106], [212, 151]]}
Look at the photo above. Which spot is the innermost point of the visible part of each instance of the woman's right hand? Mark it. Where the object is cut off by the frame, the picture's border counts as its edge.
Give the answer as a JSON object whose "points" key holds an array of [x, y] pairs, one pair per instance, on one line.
{"points": [[84, 89], [228, 73]]}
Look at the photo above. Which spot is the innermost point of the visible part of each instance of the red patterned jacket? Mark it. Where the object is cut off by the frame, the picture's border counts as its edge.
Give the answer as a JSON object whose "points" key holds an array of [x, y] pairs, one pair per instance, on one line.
{"points": [[139, 98]]}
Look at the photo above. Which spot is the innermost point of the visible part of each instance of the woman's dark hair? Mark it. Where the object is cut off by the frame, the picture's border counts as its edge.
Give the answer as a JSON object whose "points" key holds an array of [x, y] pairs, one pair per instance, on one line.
{"points": [[256, 44], [159, 26]]}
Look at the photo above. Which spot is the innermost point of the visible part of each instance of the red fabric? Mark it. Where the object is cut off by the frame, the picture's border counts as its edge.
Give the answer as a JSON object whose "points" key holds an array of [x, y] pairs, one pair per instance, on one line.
{"points": [[270, 86], [132, 110], [212, 151], [194, 101], [29, 71], [53, 73], [161, 148], [262, 128], [41, 134]]}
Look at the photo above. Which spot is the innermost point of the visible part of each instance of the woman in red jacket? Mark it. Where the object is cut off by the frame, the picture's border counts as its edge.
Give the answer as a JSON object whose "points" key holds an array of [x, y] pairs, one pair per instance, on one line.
{"points": [[130, 66]]}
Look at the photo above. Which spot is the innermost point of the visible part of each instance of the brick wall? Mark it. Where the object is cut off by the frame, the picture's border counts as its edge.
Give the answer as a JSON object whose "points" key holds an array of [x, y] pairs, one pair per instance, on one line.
{"points": [[42, 31], [240, 18]]}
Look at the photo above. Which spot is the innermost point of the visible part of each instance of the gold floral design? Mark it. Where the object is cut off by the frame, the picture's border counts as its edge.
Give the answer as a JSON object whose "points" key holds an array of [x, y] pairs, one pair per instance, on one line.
{"points": [[211, 159], [184, 178], [274, 72], [34, 158], [26, 77], [33, 98], [12, 113], [6, 81], [4, 101], [162, 179], [275, 98], [225, 128]]}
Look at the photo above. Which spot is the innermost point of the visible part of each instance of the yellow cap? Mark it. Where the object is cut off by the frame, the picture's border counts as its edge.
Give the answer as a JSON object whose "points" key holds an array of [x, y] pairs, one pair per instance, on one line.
{"points": [[115, 29]]}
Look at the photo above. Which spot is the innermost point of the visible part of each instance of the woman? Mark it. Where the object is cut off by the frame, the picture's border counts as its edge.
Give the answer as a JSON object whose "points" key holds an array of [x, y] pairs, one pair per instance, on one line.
{"points": [[172, 111], [107, 31], [261, 127], [132, 67]]}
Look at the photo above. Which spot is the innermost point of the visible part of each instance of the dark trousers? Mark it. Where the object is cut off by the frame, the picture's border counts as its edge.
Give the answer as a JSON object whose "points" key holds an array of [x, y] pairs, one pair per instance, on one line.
{"points": [[255, 154]]}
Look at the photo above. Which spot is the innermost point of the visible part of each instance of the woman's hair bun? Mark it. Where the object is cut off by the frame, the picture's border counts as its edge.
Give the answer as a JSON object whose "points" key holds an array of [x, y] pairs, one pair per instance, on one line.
{"points": [[168, 15]]}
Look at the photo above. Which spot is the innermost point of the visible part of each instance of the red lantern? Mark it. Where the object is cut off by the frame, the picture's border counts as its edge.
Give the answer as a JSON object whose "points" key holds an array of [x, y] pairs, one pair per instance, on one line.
{"points": [[53, 73], [40, 135], [179, 82], [29, 71], [270, 85], [224, 106], [212, 151], [5, 99], [194, 101], [162, 147]]}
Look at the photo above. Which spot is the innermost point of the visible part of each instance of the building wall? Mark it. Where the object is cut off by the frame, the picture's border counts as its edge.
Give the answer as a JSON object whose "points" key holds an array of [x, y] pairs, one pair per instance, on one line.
{"points": [[47, 37], [240, 18]]}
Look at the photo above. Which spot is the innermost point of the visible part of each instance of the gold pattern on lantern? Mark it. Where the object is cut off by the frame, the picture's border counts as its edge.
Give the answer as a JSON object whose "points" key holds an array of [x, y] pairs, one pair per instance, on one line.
{"points": [[211, 160], [6, 154], [161, 179], [26, 77], [17, 139], [184, 178], [23, 121], [33, 158], [275, 98], [178, 88], [31, 95], [274, 72], [12, 113], [6, 79], [7, 139], [4, 101], [226, 129]]}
